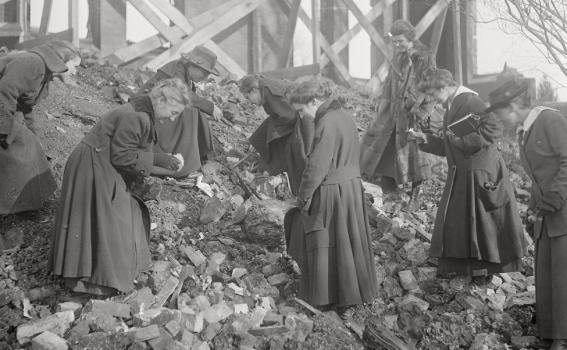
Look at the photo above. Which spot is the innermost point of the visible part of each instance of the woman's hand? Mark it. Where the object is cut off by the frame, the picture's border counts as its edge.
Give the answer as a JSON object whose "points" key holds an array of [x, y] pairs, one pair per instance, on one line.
{"points": [[417, 136]]}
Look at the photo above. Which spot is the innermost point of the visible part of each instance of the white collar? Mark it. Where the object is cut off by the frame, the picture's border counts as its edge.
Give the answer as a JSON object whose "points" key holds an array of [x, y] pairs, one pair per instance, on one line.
{"points": [[532, 116], [460, 90]]}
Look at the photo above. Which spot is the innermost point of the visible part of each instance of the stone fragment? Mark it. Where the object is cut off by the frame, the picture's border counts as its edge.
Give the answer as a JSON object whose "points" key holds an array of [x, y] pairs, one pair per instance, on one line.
{"points": [[407, 280], [383, 223], [202, 302], [257, 284], [417, 251], [268, 331], [146, 333], [80, 329], [200, 345], [187, 338], [217, 312], [211, 331], [160, 266], [508, 288], [279, 279], [238, 272], [241, 308], [49, 341], [487, 341], [272, 269], [165, 292], [523, 342], [143, 299], [194, 323], [108, 307], [57, 323], [412, 299], [236, 289], [163, 342], [173, 327], [104, 323], [426, 273], [267, 303], [272, 319], [495, 282], [213, 211], [195, 256], [70, 306]]}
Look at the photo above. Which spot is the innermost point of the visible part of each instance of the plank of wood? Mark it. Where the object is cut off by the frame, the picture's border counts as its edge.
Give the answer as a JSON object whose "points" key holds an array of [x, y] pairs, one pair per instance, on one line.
{"points": [[437, 32], [205, 33], [343, 41], [149, 14], [270, 40], [315, 29], [294, 72], [335, 59], [430, 17], [256, 42], [457, 50], [285, 54], [45, 17], [73, 20]]}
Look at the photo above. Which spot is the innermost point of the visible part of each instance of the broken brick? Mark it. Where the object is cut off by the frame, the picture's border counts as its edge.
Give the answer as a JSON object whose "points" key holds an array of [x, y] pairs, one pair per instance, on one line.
{"points": [[108, 307], [49, 341], [57, 323]]}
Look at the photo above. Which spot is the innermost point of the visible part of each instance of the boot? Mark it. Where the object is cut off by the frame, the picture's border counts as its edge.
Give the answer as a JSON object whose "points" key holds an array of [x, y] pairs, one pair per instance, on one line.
{"points": [[414, 203], [559, 344]]}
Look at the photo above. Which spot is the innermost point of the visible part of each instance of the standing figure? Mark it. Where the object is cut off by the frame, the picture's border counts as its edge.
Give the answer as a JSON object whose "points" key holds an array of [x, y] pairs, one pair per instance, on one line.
{"points": [[386, 151], [478, 230], [543, 152], [284, 139], [26, 179], [190, 135], [337, 263], [102, 228]]}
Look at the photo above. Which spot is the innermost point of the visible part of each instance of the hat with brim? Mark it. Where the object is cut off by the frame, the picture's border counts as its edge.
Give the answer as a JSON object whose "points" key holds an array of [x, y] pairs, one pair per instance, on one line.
{"points": [[203, 58], [506, 93]]}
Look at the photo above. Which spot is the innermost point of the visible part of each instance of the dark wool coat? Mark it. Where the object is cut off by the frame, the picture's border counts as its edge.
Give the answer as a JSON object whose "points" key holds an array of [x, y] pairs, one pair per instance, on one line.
{"points": [[190, 134], [543, 151], [283, 140], [477, 217], [101, 234], [27, 180], [338, 259], [385, 150]]}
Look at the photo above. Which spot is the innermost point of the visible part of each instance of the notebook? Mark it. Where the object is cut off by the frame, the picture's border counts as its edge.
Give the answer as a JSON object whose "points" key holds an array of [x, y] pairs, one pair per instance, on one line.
{"points": [[466, 125]]}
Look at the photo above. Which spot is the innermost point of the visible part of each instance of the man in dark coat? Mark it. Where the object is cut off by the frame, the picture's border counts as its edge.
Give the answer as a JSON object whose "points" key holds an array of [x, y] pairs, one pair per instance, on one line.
{"points": [[385, 149], [190, 135], [478, 230], [284, 139], [543, 150], [102, 229], [338, 264], [26, 180]]}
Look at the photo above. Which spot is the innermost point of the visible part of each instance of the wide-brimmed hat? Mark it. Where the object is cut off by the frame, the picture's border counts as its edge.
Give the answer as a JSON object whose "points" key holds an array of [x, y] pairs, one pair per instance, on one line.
{"points": [[202, 58], [506, 92]]}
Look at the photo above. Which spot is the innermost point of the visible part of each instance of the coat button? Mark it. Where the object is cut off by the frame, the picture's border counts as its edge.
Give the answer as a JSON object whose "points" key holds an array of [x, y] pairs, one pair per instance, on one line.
{"points": [[76, 235]]}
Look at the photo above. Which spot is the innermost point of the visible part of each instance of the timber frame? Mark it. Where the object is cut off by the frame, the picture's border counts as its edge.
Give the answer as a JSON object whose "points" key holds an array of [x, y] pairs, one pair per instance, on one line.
{"points": [[183, 32]]}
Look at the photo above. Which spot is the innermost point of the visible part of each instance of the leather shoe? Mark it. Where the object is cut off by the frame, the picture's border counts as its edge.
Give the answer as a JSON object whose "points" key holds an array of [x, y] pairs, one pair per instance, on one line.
{"points": [[559, 344]]}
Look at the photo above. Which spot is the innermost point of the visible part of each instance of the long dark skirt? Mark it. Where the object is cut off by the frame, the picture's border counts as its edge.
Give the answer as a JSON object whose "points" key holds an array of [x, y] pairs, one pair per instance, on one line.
{"points": [[473, 267], [551, 286]]}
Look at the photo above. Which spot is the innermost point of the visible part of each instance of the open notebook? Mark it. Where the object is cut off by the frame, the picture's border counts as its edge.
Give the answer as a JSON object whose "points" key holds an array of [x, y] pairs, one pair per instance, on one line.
{"points": [[466, 125]]}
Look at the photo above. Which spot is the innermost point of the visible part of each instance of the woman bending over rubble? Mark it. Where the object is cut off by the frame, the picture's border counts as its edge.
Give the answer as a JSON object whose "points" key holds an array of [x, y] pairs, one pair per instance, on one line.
{"points": [[26, 180], [478, 230], [102, 229], [543, 151], [332, 229], [284, 139], [190, 135]]}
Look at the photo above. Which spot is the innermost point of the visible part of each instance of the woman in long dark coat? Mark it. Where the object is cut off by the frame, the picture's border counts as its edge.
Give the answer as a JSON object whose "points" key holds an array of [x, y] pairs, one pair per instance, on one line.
{"points": [[543, 151], [478, 230], [26, 179], [338, 265], [190, 135], [284, 139], [100, 242]]}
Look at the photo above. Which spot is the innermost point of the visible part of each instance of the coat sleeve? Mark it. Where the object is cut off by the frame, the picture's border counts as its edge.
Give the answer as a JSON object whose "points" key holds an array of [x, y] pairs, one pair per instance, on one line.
{"points": [[21, 77], [434, 145], [126, 148], [318, 162], [555, 126], [202, 104]]}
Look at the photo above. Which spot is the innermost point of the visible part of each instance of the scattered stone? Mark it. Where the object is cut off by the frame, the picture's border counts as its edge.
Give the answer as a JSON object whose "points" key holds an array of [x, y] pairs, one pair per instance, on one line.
{"points": [[238, 272], [217, 312], [57, 323], [426, 273], [257, 284], [523, 342], [417, 251], [272, 319], [166, 291], [70, 306], [195, 256], [146, 333], [211, 331], [49, 341], [278, 279], [495, 282], [412, 299], [268, 331], [407, 280], [236, 289], [108, 307], [213, 211], [272, 269], [241, 308], [173, 327]]}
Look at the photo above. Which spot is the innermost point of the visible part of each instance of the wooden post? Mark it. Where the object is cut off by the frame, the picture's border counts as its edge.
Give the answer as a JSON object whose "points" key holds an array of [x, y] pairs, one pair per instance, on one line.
{"points": [[184, 7], [108, 24], [437, 32], [24, 19], [334, 22], [457, 51], [45, 17], [256, 41], [405, 9], [74, 21], [315, 15], [286, 52]]}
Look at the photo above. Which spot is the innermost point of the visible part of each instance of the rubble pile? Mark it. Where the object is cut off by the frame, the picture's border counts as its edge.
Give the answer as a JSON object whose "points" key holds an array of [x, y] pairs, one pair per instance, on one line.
{"points": [[221, 278]]}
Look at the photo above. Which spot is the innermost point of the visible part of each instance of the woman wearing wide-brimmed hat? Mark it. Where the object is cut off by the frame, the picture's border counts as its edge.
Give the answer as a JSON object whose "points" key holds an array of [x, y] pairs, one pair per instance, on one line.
{"points": [[26, 180], [478, 230], [543, 151], [191, 134]]}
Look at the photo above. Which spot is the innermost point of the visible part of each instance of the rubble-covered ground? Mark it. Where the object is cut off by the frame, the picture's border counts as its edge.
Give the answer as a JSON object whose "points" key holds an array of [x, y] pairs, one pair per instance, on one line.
{"points": [[221, 277]]}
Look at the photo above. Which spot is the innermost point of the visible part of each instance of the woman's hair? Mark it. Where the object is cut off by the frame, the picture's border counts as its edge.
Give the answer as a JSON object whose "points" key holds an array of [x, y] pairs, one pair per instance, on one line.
{"points": [[436, 78], [64, 49], [249, 82], [174, 90], [307, 91], [403, 27]]}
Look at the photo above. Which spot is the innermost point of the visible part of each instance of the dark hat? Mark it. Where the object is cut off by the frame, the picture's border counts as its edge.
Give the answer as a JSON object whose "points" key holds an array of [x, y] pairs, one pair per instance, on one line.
{"points": [[202, 58], [506, 92]]}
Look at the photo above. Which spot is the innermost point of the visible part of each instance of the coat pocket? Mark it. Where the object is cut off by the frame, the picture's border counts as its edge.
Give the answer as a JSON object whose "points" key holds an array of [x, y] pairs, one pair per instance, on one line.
{"points": [[317, 240], [490, 189]]}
